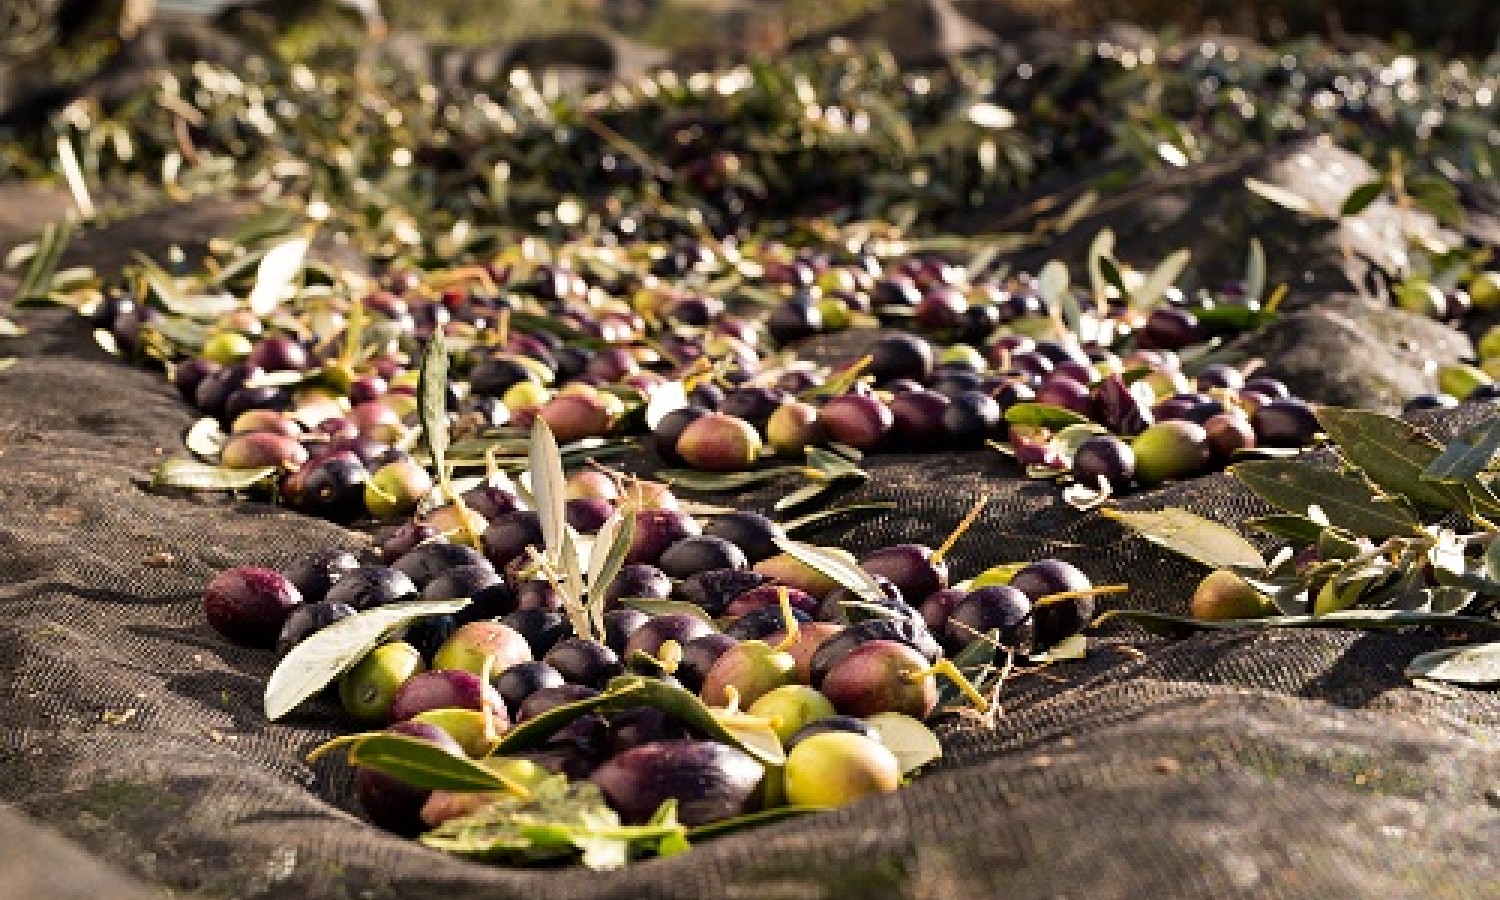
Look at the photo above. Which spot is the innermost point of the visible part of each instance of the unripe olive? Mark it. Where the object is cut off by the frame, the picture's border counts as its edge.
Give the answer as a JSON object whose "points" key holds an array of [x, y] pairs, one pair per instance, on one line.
{"points": [[368, 689]]}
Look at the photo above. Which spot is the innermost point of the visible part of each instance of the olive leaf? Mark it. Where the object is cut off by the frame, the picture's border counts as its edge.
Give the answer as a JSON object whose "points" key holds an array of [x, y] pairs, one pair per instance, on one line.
{"points": [[1099, 251], [665, 398], [278, 269], [1193, 536], [432, 403], [1110, 270], [1347, 501], [37, 282], [846, 574], [1361, 197], [548, 487], [607, 556], [421, 764], [652, 606], [206, 438], [197, 476], [747, 821], [1467, 455], [1281, 196], [1392, 453], [1255, 273], [1478, 664], [1044, 415], [1297, 528], [1154, 288], [823, 515], [710, 482], [330, 652]]}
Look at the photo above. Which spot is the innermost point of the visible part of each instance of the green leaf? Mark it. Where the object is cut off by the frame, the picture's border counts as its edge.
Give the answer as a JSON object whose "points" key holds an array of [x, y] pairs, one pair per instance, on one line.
{"points": [[1297, 528], [1477, 665], [841, 571], [1111, 272], [724, 481], [805, 494], [1361, 197], [197, 476], [278, 269], [206, 438], [432, 402], [1467, 455], [1044, 415], [1193, 536], [1391, 453], [424, 765], [823, 515], [1346, 500], [750, 820], [37, 282], [1099, 251], [536, 730], [164, 286], [548, 486], [652, 606], [607, 557], [330, 652], [973, 660]]}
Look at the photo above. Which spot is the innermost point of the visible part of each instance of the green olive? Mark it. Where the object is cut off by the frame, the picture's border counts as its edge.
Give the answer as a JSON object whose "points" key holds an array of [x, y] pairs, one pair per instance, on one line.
{"points": [[368, 689], [838, 767]]}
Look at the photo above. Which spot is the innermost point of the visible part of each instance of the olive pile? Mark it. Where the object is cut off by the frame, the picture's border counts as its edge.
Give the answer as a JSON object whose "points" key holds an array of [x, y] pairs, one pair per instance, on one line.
{"points": [[747, 628]]}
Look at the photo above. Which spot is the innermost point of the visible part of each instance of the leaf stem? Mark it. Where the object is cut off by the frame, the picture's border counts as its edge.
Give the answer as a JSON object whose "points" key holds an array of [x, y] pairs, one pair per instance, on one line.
{"points": [[963, 526]]}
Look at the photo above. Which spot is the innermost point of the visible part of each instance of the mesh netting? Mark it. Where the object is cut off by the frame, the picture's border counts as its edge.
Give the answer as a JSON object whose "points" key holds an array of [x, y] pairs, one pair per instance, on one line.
{"points": [[1286, 764]]}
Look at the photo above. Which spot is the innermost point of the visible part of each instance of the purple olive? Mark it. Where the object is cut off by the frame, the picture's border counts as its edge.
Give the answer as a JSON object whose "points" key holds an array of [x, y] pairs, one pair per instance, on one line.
{"points": [[861, 421], [911, 632], [642, 725], [1104, 460], [987, 609], [768, 596], [714, 590], [699, 656], [315, 573], [619, 625], [371, 586], [306, 620], [585, 662], [910, 567], [448, 689], [656, 530], [517, 683], [826, 724], [430, 560], [507, 537], [587, 514], [701, 553], [1229, 433], [1057, 619], [874, 677], [939, 606], [710, 781], [638, 581], [394, 804], [752, 532], [250, 605], [542, 628], [650, 636], [545, 699], [917, 417], [1285, 423]]}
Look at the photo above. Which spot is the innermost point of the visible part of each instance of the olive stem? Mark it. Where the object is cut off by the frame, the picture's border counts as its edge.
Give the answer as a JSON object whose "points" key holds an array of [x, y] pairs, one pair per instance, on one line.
{"points": [[845, 379], [1090, 592], [669, 656], [788, 621], [948, 670], [962, 527], [491, 736]]}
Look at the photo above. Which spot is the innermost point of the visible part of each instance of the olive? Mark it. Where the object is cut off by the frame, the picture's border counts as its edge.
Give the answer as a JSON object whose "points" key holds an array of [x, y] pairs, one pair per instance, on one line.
{"points": [[278, 354], [656, 530], [918, 417], [939, 606], [719, 442], [1056, 619], [987, 609], [793, 321], [1060, 390], [1429, 401], [588, 515], [490, 501], [545, 699], [368, 689], [391, 803], [710, 781], [371, 586], [701, 553], [753, 405], [859, 420], [971, 417], [448, 689], [793, 428], [669, 431], [844, 605], [761, 623], [1171, 450], [1169, 328], [575, 416], [315, 573], [1225, 595], [520, 681], [257, 449], [396, 488], [747, 671], [333, 488], [752, 532], [498, 374], [881, 676], [835, 722], [250, 605], [429, 633], [699, 656], [1104, 460], [768, 596], [405, 538], [641, 725], [941, 309], [649, 637], [583, 661], [306, 620], [790, 707], [1285, 423], [619, 625], [838, 767], [638, 581], [190, 373], [215, 388], [490, 602], [714, 590], [542, 628], [911, 632], [910, 567], [1268, 387], [506, 538], [476, 645], [1218, 375]]}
